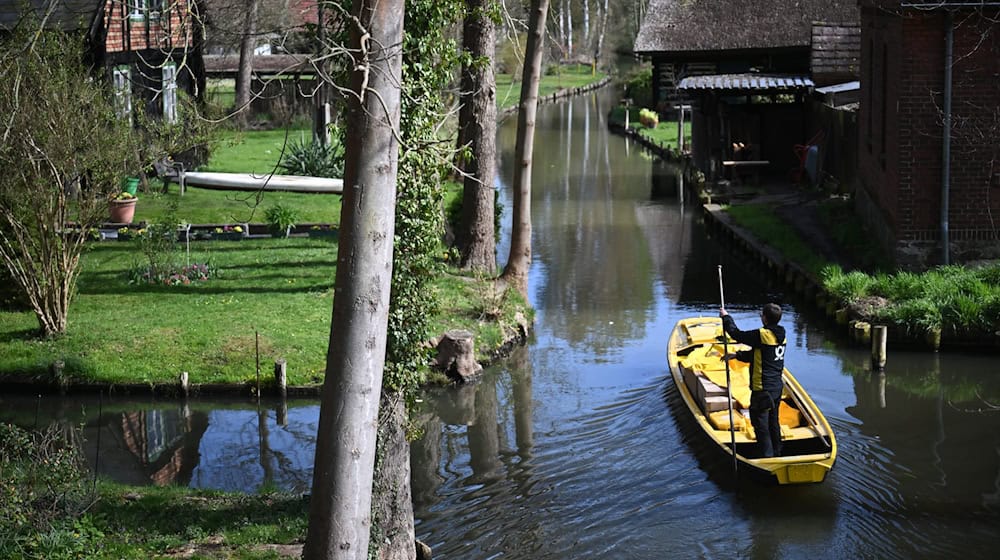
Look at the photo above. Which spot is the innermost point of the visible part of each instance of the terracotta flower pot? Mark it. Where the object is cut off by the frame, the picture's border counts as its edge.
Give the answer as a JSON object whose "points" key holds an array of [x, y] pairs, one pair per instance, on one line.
{"points": [[122, 211]]}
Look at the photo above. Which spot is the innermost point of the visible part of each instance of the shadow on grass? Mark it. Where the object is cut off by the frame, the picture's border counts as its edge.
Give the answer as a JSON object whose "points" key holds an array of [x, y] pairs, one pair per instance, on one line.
{"points": [[305, 288], [180, 513], [23, 335]]}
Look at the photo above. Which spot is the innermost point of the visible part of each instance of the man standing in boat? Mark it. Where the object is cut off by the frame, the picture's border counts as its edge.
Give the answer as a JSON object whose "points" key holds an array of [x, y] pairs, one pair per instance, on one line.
{"points": [[767, 363]]}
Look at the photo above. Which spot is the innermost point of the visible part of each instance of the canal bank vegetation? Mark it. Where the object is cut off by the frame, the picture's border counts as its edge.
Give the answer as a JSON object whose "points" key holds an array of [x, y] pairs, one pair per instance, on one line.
{"points": [[264, 299], [958, 303], [663, 133], [54, 510]]}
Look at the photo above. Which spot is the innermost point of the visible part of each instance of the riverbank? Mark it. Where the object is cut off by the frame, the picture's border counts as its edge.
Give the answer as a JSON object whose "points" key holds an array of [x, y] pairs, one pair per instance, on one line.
{"points": [[266, 303], [261, 301], [807, 239]]}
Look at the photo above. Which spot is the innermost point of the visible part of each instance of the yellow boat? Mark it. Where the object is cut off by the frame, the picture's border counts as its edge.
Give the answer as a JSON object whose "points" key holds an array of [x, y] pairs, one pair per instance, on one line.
{"points": [[809, 447]]}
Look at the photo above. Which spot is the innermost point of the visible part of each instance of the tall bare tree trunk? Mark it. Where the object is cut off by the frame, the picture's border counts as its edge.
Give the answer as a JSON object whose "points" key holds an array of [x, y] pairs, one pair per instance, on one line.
{"points": [[340, 508], [244, 74], [568, 11], [516, 271], [322, 103], [602, 28], [477, 122], [586, 24]]}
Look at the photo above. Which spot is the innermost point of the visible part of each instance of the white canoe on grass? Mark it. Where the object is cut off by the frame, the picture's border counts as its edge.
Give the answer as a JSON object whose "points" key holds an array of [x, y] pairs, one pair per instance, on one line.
{"points": [[251, 182]]}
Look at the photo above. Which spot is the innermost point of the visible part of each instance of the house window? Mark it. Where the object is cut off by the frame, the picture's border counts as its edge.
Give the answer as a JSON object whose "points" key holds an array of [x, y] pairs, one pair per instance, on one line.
{"points": [[170, 93], [158, 8], [137, 9], [122, 85]]}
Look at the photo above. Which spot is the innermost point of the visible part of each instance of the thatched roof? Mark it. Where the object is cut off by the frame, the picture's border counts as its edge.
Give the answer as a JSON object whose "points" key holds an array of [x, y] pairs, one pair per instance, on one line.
{"points": [[68, 15], [688, 26]]}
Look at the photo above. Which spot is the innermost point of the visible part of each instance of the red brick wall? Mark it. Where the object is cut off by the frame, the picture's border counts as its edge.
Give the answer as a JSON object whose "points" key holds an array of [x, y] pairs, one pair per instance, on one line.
{"points": [[878, 143], [170, 30], [904, 86]]}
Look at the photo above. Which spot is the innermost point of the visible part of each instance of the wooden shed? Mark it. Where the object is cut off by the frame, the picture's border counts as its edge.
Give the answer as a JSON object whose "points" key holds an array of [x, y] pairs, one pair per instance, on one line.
{"points": [[747, 69]]}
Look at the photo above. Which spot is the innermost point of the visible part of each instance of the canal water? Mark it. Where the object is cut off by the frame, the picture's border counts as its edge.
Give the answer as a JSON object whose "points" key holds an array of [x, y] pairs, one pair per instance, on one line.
{"points": [[574, 446]]}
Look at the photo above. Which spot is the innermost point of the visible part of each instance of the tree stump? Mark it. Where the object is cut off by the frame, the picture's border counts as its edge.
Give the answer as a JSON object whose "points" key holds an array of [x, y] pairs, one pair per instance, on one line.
{"points": [[457, 356]]}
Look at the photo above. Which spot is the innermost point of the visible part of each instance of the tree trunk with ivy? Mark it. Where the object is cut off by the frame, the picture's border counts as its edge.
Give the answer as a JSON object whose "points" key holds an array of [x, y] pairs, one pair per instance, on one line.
{"points": [[516, 271], [341, 505], [393, 535], [476, 238]]}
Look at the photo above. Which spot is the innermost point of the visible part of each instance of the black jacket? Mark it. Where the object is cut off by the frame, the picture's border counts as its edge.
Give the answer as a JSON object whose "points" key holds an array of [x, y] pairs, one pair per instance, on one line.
{"points": [[766, 357]]}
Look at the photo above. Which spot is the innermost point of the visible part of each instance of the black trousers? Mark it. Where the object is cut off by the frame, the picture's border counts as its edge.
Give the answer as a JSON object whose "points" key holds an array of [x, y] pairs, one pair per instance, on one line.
{"points": [[764, 418]]}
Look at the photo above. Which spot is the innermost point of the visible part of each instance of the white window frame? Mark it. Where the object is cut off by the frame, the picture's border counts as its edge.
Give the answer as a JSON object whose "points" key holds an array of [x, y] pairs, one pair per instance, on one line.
{"points": [[138, 9], [169, 85], [121, 80]]}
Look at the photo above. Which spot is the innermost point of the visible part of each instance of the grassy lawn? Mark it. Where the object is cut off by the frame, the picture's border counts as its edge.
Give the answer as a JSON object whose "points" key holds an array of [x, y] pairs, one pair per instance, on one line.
{"points": [[254, 151], [665, 132], [562, 77], [120, 332], [205, 206], [173, 522], [279, 290], [765, 224]]}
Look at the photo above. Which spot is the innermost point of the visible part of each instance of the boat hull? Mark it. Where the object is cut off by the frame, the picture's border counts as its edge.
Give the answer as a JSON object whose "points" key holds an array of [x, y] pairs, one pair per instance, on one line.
{"points": [[809, 446], [251, 182]]}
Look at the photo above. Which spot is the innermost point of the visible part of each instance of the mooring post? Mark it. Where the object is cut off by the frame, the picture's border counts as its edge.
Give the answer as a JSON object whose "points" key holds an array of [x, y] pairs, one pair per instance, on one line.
{"points": [[281, 377], [58, 370], [281, 413], [185, 387], [879, 335]]}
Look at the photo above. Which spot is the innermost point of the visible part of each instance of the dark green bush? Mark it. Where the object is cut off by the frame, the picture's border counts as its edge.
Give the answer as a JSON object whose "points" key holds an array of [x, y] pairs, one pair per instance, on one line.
{"points": [[44, 491], [313, 159]]}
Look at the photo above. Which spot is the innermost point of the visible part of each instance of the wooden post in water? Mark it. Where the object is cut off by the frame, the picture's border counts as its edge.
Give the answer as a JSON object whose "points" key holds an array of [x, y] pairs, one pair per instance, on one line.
{"points": [[185, 387], [281, 377], [58, 371], [680, 129], [879, 335]]}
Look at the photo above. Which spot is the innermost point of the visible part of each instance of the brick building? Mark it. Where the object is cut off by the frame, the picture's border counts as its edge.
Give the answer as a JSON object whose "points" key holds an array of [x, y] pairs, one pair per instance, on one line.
{"points": [[929, 129], [148, 49]]}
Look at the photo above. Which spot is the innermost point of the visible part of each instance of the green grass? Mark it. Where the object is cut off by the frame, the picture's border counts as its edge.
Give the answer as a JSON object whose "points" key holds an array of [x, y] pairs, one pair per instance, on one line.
{"points": [[147, 522], [222, 93], [277, 289], [204, 206], [569, 76], [280, 289], [256, 151], [665, 132], [761, 220]]}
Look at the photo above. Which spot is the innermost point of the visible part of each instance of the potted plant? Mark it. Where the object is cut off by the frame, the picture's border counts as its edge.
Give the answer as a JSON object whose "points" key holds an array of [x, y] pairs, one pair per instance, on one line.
{"points": [[122, 208], [281, 219]]}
